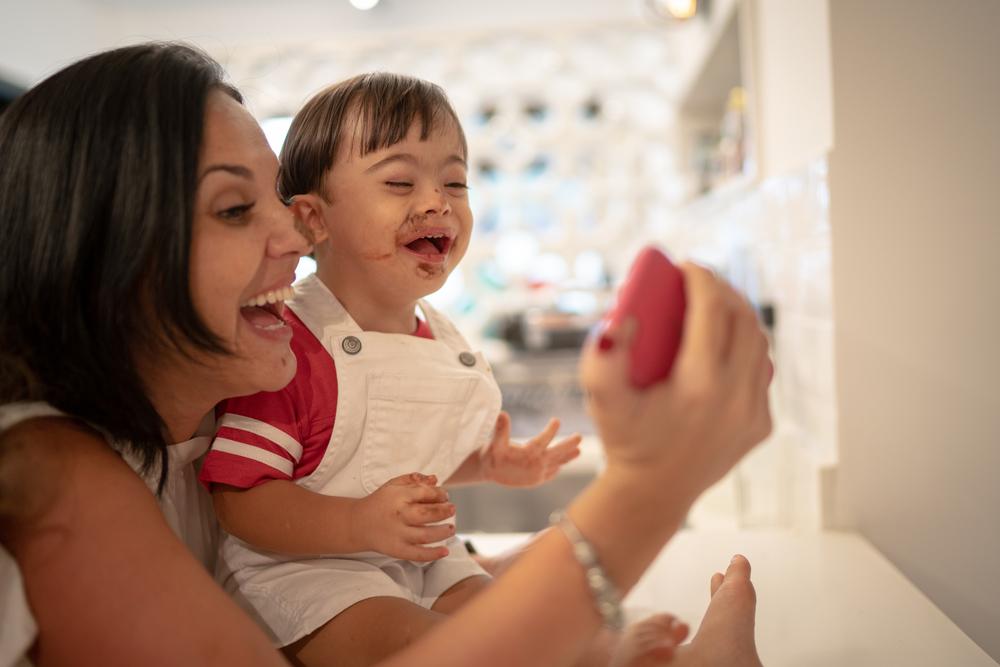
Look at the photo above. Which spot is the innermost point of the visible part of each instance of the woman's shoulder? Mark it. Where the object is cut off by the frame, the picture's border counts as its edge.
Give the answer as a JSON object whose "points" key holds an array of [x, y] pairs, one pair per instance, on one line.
{"points": [[96, 555], [51, 463], [59, 431], [45, 444]]}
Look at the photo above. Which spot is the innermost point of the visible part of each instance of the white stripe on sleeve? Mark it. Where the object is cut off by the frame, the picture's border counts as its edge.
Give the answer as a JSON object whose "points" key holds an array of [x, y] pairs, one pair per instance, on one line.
{"points": [[264, 430], [246, 451]]}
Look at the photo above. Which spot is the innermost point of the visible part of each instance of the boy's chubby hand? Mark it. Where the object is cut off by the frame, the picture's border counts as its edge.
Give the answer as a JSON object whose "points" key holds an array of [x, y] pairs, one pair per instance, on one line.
{"points": [[531, 463], [394, 519]]}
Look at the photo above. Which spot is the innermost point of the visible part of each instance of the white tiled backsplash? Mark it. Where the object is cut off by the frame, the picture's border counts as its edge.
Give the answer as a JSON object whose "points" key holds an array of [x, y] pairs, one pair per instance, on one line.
{"points": [[772, 240]]}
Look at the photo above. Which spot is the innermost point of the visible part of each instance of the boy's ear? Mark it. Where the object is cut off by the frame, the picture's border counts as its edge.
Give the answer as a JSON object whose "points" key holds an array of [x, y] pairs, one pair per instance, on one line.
{"points": [[308, 213]]}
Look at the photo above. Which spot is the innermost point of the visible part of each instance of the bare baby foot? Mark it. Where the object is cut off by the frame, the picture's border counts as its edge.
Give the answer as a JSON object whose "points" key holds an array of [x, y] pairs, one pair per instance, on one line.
{"points": [[649, 642]]}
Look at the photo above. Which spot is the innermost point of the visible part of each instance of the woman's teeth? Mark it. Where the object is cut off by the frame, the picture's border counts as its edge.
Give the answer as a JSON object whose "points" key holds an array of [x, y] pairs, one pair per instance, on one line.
{"points": [[274, 296]]}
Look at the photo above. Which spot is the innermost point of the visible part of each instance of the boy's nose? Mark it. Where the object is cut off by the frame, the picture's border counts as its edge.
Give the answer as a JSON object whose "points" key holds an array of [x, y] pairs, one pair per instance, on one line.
{"points": [[435, 203]]}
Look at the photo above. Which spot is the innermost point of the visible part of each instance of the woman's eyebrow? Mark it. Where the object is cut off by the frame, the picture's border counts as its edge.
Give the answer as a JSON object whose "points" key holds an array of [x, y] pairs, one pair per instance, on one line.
{"points": [[235, 169]]}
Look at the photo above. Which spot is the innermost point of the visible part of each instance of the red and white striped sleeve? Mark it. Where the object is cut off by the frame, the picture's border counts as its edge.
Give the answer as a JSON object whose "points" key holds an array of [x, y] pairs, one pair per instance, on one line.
{"points": [[277, 434], [257, 439]]}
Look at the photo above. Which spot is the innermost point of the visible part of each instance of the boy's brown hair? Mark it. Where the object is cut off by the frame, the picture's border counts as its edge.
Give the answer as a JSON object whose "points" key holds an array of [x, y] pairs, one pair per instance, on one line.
{"points": [[379, 107]]}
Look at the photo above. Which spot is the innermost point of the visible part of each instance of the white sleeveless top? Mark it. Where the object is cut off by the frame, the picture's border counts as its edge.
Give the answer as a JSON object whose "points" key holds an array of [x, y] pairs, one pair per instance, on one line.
{"points": [[186, 506]]}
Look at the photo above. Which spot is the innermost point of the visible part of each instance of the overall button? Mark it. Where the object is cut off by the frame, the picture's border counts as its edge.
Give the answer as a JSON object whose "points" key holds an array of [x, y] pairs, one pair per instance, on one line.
{"points": [[351, 345], [467, 359]]}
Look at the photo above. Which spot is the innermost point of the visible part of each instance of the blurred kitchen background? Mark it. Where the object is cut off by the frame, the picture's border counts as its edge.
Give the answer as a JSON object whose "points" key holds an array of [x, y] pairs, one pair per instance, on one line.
{"points": [[803, 148]]}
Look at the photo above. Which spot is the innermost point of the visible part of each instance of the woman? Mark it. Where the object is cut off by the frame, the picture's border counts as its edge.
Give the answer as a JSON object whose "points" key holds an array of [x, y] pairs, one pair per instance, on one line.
{"points": [[138, 223]]}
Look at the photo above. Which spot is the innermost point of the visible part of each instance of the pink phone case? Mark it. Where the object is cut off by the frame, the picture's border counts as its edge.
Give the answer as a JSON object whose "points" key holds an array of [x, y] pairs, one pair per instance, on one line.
{"points": [[653, 293]]}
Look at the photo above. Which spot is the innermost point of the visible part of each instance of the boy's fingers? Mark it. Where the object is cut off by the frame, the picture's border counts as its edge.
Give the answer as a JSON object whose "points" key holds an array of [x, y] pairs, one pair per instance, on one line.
{"points": [[421, 535], [407, 479], [574, 440], [539, 442], [503, 420], [564, 450], [501, 432], [420, 514], [427, 494], [565, 457]]}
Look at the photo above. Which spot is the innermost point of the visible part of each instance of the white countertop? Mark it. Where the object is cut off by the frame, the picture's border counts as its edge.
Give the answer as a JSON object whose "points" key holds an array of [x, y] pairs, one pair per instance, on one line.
{"points": [[823, 599]]}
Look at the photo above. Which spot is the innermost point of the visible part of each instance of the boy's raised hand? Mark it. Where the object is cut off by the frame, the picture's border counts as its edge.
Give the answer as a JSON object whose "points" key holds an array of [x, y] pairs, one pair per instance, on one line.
{"points": [[394, 519], [526, 464]]}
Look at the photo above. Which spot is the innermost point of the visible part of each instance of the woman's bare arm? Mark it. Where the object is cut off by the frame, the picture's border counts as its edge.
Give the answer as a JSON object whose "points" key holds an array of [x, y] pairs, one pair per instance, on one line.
{"points": [[107, 580]]}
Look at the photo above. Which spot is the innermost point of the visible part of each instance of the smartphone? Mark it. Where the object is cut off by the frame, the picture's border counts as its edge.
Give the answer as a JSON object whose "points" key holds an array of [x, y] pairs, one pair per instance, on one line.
{"points": [[653, 294]]}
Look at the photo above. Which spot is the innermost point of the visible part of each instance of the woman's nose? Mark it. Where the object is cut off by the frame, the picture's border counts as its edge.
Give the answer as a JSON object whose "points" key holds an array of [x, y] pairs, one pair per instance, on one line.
{"points": [[289, 235]]}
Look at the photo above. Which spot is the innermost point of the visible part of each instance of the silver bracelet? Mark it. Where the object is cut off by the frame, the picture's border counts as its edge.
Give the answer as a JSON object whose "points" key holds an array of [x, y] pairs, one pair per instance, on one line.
{"points": [[606, 596]]}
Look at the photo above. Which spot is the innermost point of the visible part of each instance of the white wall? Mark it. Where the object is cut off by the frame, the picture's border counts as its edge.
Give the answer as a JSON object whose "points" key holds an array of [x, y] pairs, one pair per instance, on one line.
{"points": [[914, 178], [254, 21], [792, 80], [39, 37]]}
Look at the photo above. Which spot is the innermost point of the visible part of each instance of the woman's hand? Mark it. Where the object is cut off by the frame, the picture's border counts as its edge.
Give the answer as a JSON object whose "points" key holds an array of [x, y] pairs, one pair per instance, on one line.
{"points": [[711, 410], [394, 519]]}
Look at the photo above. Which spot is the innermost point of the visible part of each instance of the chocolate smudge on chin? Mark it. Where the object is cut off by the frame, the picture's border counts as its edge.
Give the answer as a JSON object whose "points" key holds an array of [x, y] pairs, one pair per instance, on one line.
{"points": [[430, 270]]}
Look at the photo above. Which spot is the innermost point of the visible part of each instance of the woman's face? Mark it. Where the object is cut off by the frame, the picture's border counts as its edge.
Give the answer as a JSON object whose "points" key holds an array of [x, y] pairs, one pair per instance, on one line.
{"points": [[243, 254]]}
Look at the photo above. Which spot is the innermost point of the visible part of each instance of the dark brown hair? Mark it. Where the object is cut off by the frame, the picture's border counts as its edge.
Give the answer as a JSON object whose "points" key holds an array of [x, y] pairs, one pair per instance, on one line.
{"points": [[97, 198], [378, 107]]}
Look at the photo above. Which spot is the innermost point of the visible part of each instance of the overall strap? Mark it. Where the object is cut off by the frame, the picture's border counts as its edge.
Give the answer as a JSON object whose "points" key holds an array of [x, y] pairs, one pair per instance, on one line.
{"points": [[443, 329], [320, 310]]}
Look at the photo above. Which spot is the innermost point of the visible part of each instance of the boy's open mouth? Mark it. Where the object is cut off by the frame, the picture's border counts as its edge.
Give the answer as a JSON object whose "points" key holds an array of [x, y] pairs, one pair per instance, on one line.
{"points": [[431, 245], [265, 310]]}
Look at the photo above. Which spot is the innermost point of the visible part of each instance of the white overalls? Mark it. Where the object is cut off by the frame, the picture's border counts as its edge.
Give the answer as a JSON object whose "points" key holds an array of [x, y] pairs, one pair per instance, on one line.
{"points": [[405, 404]]}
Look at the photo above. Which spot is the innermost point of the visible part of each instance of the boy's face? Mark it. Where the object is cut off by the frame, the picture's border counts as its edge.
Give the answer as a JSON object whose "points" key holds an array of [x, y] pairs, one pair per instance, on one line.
{"points": [[398, 219]]}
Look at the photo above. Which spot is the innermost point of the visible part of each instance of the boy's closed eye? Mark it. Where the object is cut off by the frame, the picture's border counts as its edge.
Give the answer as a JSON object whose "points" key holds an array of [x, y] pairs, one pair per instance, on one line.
{"points": [[455, 185]]}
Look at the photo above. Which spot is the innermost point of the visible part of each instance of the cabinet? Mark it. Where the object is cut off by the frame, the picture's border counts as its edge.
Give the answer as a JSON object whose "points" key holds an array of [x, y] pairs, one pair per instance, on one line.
{"points": [[778, 53], [716, 116]]}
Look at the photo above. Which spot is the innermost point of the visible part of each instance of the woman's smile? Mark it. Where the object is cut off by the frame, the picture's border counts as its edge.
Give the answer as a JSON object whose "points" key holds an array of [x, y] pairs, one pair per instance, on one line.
{"points": [[265, 313]]}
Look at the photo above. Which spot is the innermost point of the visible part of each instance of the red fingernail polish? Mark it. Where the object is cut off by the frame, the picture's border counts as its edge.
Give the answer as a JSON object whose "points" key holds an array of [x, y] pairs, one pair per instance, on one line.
{"points": [[604, 343]]}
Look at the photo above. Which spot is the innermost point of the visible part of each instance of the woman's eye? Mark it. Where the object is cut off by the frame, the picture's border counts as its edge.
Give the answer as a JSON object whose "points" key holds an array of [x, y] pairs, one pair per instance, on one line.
{"points": [[236, 213]]}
